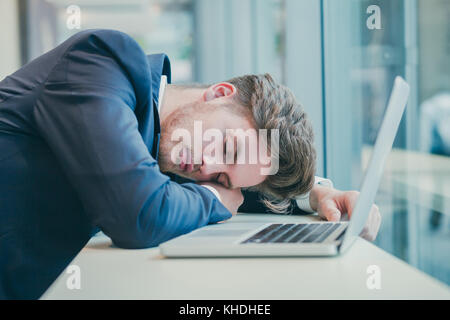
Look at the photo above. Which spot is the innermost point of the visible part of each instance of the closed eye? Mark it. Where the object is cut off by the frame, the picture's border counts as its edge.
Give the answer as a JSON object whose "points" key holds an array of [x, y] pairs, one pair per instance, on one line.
{"points": [[227, 151], [224, 180]]}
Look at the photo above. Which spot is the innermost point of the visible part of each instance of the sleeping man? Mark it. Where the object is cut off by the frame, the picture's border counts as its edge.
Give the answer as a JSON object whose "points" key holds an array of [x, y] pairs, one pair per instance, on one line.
{"points": [[94, 137]]}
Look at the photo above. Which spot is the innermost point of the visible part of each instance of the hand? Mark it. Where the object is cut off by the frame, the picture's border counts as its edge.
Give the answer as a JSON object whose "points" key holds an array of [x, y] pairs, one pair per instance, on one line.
{"points": [[232, 199], [330, 204]]}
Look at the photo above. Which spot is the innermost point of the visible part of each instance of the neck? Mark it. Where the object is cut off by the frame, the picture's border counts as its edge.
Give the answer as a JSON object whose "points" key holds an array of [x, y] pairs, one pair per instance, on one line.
{"points": [[176, 97]]}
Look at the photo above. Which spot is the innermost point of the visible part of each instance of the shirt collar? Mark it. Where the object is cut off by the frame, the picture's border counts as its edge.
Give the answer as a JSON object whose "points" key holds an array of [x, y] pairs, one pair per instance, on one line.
{"points": [[162, 88]]}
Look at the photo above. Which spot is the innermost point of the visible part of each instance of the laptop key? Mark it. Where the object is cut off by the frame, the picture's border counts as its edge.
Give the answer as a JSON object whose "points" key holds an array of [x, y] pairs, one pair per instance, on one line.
{"points": [[303, 233], [269, 229], [273, 236], [327, 232], [292, 232], [317, 232], [341, 235]]}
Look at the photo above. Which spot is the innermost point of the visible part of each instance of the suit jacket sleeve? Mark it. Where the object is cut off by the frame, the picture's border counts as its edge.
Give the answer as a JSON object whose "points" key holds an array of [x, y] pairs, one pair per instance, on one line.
{"points": [[85, 113]]}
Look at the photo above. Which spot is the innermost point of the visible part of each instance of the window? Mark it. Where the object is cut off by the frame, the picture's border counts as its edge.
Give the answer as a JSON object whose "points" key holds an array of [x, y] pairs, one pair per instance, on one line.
{"points": [[206, 40], [361, 61], [157, 25], [340, 59]]}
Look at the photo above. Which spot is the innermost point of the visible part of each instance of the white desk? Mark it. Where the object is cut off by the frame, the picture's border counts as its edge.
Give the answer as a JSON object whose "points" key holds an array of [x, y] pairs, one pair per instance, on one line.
{"points": [[112, 273]]}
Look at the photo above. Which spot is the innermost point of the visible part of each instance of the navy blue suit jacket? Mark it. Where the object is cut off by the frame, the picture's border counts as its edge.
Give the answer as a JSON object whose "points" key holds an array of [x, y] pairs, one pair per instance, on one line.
{"points": [[79, 134]]}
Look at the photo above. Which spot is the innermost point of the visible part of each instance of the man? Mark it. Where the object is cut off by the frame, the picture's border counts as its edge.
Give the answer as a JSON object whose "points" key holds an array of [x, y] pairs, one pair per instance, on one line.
{"points": [[79, 134]]}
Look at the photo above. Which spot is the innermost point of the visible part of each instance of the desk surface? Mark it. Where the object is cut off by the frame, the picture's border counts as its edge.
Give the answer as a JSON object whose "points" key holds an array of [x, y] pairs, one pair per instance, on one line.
{"points": [[112, 273]]}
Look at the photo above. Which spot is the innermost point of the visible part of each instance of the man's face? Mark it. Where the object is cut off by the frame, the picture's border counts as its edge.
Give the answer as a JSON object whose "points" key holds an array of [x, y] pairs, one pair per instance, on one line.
{"points": [[187, 147]]}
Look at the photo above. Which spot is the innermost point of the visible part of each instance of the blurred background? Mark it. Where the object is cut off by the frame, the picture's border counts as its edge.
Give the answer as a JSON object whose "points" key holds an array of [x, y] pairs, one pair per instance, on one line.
{"points": [[339, 58]]}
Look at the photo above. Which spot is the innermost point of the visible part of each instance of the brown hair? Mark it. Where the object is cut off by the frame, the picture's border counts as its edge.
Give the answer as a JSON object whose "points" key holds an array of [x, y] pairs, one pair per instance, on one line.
{"points": [[274, 106]]}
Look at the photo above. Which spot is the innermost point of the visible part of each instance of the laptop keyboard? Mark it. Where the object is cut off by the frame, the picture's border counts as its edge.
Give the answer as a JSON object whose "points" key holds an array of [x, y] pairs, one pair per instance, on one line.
{"points": [[294, 233]]}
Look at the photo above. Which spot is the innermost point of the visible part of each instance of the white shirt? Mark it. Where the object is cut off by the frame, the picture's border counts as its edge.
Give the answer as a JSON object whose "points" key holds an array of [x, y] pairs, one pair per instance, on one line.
{"points": [[302, 201], [162, 89]]}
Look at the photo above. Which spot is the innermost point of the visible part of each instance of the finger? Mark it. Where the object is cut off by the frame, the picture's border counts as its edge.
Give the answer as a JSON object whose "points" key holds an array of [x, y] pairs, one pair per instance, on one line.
{"points": [[329, 211], [378, 222], [372, 225], [366, 231], [375, 222], [350, 198]]}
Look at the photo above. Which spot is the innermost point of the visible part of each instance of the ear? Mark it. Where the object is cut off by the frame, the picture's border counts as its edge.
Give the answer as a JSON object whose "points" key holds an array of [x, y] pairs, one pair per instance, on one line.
{"points": [[219, 90]]}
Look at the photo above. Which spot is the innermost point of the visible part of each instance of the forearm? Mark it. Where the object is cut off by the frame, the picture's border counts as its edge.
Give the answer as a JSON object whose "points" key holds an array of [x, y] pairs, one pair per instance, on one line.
{"points": [[165, 216]]}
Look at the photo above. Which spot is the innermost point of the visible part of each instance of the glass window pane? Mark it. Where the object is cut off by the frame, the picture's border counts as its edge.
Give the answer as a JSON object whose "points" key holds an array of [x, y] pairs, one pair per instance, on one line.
{"points": [[366, 44], [206, 40], [157, 25]]}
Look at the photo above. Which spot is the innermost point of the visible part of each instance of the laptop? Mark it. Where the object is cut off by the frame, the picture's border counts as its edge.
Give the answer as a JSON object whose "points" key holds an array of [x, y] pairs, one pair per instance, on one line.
{"points": [[314, 238]]}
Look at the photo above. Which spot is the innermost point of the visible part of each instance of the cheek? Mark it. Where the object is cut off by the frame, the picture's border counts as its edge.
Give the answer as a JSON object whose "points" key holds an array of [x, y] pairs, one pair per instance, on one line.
{"points": [[247, 176], [202, 177]]}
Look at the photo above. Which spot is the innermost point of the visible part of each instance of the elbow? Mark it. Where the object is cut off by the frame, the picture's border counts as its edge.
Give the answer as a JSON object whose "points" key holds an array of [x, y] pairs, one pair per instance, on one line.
{"points": [[135, 241], [144, 238], [132, 235]]}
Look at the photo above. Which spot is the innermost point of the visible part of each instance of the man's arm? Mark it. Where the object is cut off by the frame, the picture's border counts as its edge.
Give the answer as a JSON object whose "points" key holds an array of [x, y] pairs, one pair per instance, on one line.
{"points": [[89, 124]]}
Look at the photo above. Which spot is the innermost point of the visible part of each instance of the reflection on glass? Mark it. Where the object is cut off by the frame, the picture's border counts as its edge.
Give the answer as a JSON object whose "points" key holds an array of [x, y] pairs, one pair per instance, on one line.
{"points": [[205, 35], [413, 41], [158, 26]]}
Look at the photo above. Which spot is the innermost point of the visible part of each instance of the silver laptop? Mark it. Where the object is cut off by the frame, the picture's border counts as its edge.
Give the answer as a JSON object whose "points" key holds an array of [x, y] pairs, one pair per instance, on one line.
{"points": [[305, 239]]}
